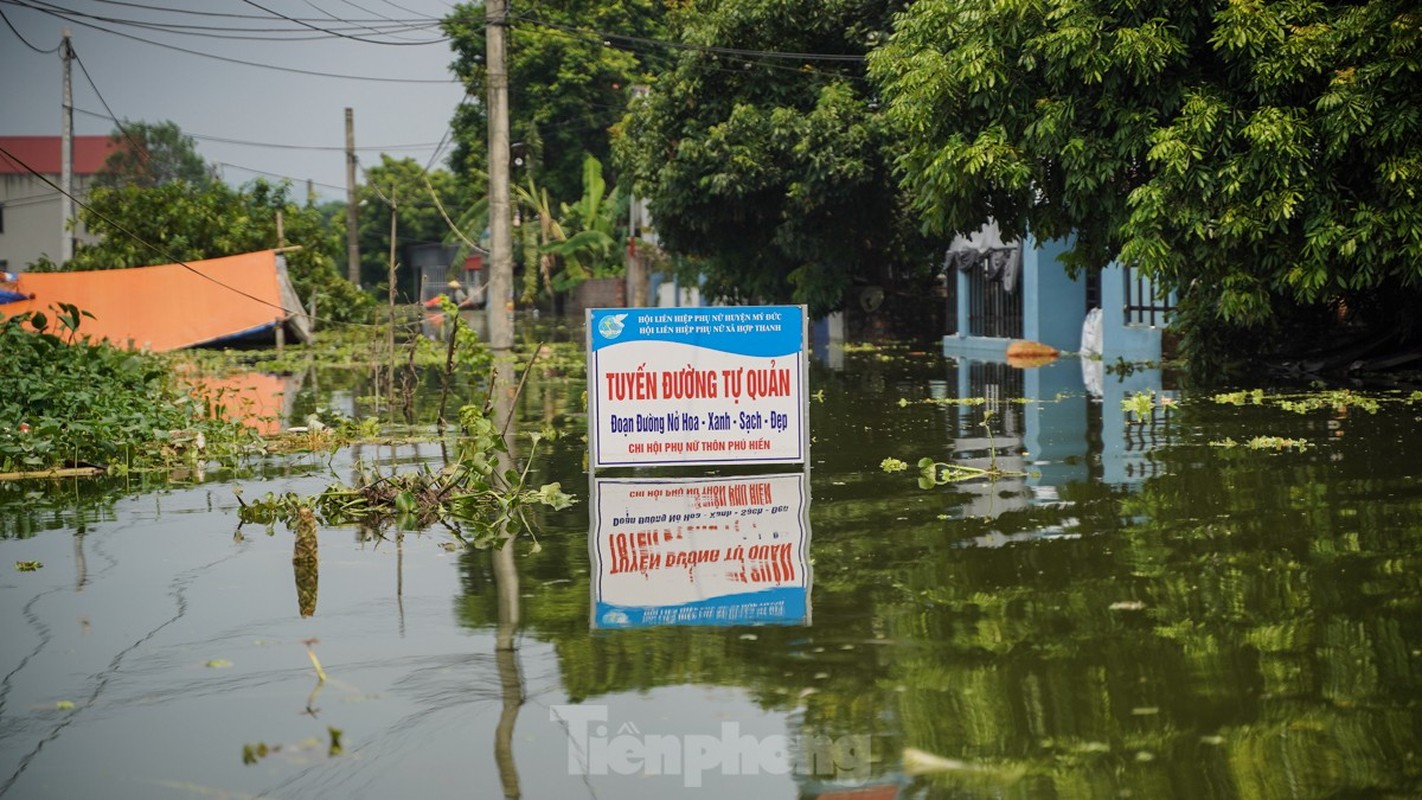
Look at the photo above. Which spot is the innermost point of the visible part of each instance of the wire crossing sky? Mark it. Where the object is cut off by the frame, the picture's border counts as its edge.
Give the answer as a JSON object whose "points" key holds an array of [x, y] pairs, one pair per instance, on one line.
{"points": [[261, 85]]}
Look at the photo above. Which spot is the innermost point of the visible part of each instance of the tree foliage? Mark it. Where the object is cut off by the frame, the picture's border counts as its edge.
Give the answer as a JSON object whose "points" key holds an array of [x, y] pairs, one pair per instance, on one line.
{"points": [[417, 196], [1260, 158], [64, 399], [152, 154], [773, 170], [568, 84], [586, 243], [177, 221]]}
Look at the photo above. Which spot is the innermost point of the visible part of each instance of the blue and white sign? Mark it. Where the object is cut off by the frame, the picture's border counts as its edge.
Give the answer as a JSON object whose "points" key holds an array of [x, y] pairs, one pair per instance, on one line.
{"points": [[720, 385], [700, 551]]}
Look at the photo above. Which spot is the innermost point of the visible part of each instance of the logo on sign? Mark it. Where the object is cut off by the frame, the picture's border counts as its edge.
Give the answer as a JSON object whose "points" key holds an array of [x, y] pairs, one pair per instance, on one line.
{"points": [[611, 326]]}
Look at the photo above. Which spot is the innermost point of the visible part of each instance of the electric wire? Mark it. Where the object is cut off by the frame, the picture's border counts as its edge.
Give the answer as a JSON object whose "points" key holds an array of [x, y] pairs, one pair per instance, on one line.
{"points": [[417, 16], [225, 31], [227, 59], [138, 150], [294, 181], [274, 145], [22, 38], [361, 8], [720, 50], [643, 47], [168, 257], [320, 29]]}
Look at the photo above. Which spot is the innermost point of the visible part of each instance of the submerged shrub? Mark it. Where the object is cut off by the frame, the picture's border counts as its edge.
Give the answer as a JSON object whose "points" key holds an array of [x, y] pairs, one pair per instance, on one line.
{"points": [[64, 400]]}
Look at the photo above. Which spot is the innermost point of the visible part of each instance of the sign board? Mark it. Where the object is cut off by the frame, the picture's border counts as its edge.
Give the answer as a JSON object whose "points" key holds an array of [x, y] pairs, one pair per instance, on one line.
{"points": [[700, 551], [677, 386]]}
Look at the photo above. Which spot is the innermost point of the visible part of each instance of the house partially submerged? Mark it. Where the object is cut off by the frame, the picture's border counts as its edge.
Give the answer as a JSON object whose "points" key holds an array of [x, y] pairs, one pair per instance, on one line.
{"points": [[172, 306], [1000, 292]]}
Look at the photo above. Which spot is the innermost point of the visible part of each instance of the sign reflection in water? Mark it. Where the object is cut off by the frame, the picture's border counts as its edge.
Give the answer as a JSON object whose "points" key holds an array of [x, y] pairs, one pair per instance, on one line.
{"points": [[700, 551]]}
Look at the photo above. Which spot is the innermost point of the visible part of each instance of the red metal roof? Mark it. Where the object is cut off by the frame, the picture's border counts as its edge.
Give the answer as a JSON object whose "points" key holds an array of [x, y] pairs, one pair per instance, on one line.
{"points": [[42, 154]]}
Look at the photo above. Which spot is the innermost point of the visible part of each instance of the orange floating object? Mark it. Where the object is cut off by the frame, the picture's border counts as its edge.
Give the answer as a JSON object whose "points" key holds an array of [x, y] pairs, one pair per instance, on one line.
{"points": [[1024, 354]]}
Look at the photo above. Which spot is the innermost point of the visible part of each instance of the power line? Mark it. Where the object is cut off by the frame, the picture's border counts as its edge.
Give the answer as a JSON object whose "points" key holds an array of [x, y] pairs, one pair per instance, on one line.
{"points": [[22, 38], [225, 31], [730, 51], [165, 255], [138, 150], [353, 5], [33, 200], [214, 56], [274, 145], [135, 237], [224, 164], [325, 148], [230, 15], [331, 32], [395, 26]]}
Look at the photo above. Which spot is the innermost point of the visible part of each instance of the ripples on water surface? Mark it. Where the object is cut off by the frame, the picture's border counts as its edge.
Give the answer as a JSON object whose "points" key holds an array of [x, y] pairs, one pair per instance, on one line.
{"points": [[1145, 613]]}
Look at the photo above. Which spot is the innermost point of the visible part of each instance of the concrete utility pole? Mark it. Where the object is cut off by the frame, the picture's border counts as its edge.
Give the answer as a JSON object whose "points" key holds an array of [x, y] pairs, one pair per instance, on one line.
{"points": [[352, 246], [66, 156], [500, 287], [635, 265]]}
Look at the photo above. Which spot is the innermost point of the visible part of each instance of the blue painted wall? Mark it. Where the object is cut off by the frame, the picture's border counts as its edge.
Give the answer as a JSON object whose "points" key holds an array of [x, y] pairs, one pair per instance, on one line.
{"points": [[1053, 304]]}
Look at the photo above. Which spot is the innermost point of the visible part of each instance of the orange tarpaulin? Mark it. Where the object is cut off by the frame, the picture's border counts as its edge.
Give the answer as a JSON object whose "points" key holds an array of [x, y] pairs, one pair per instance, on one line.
{"points": [[170, 306]]}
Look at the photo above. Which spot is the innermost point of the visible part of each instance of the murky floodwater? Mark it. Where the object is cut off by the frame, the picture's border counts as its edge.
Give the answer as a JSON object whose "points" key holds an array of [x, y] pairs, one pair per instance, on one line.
{"points": [[1143, 612]]}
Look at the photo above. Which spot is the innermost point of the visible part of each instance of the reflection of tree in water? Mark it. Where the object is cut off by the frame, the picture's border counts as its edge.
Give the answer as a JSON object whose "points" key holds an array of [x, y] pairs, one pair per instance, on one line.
{"points": [[1238, 625], [305, 562]]}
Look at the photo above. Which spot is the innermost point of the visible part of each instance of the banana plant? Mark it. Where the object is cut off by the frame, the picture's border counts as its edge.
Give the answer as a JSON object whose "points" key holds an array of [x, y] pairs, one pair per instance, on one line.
{"points": [[591, 249]]}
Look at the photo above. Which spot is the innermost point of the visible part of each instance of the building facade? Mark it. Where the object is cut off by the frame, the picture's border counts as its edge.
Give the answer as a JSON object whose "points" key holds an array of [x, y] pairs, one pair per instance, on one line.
{"points": [[32, 222]]}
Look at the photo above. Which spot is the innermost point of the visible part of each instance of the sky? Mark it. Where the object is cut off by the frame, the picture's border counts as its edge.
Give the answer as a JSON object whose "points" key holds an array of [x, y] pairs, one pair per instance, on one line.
{"points": [[235, 76]]}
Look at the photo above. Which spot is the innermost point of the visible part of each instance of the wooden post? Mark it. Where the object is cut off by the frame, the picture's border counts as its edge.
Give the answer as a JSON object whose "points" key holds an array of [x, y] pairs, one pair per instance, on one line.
{"points": [[390, 294], [280, 334], [352, 242]]}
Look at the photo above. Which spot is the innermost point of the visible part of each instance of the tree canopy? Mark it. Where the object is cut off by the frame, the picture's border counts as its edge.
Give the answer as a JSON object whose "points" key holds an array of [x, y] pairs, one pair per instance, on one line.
{"points": [[568, 83], [418, 215], [761, 152], [176, 221], [152, 154], [1260, 158]]}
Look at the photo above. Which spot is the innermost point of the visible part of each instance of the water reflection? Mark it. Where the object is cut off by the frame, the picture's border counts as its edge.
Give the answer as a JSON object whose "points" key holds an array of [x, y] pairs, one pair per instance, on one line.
{"points": [[1142, 614], [506, 581], [700, 551], [264, 400], [306, 563], [1049, 429]]}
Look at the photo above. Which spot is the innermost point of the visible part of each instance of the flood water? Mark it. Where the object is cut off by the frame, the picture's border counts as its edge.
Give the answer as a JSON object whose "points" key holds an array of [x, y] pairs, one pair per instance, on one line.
{"points": [[1134, 610]]}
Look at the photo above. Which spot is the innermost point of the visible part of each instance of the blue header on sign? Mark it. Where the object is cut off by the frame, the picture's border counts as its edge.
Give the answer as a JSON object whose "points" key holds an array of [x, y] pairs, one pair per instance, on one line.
{"points": [[762, 331], [787, 605]]}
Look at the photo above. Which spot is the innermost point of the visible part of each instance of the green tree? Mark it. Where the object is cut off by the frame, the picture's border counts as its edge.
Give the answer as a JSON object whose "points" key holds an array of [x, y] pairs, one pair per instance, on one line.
{"points": [[776, 172], [568, 82], [152, 154], [587, 243], [1259, 158], [418, 216], [177, 221]]}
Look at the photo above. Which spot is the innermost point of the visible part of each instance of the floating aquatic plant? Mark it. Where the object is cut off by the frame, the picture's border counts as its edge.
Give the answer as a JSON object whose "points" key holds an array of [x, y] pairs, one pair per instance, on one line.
{"points": [[1266, 443]]}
